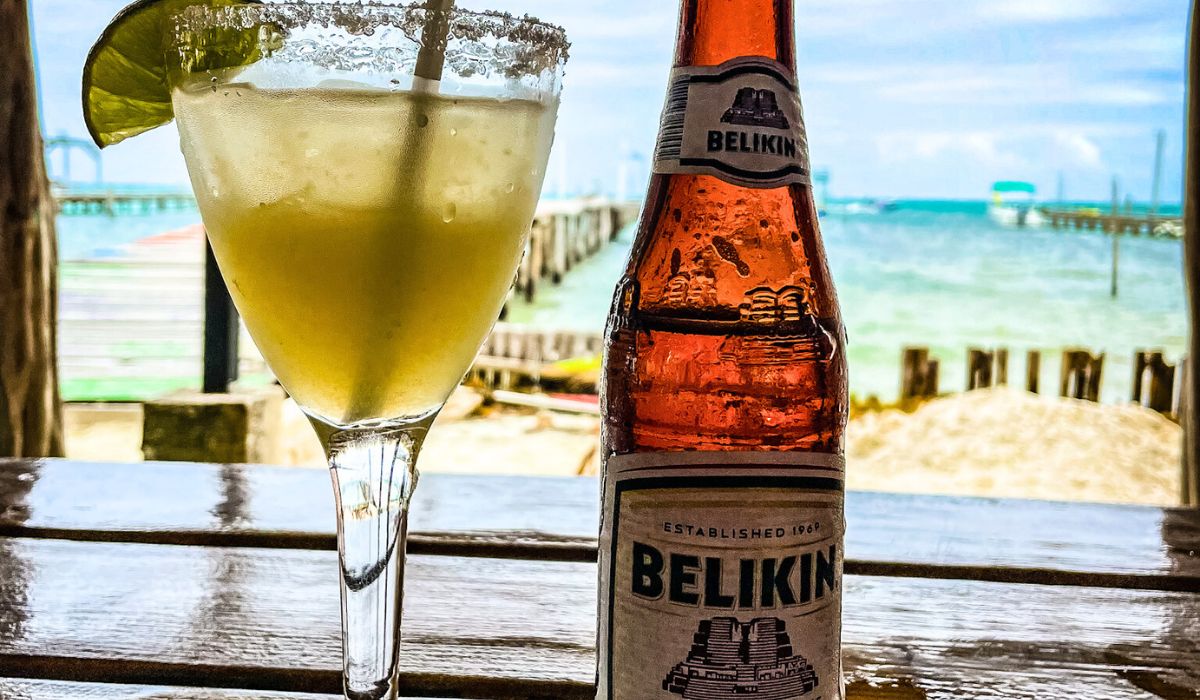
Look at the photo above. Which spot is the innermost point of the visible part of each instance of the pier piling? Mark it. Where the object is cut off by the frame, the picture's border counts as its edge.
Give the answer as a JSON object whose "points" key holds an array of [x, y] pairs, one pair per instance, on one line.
{"points": [[1081, 373], [1033, 368], [919, 375], [1153, 382]]}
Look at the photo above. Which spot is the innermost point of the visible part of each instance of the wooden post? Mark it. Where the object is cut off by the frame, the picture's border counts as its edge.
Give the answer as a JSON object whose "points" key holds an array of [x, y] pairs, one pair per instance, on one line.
{"points": [[1116, 245], [1153, 382], [1095, 370], [979, 368], [1081, 374], [1001, 367], [912, 361], [1191, 248], [1116, 262], [220, 329], [1033, 366], [919, 375], [30, 408]]}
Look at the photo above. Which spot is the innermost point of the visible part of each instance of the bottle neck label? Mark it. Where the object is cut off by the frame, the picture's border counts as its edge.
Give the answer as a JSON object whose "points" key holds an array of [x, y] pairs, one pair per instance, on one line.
{"points": [[740, 121], [721, 576]]}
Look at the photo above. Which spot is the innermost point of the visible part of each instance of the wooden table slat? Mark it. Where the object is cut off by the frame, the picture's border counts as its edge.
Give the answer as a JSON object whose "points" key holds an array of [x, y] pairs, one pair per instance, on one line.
{"points": [[188, 616], [555, 519], [36, 689]]}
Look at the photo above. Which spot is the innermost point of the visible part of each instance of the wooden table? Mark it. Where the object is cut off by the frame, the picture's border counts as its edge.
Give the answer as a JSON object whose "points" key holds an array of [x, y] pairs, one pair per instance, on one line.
{"points": [[213, 582]]}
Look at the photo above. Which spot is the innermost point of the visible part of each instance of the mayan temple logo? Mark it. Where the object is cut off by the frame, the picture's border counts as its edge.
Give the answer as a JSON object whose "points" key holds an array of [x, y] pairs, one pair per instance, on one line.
{"points": [[733, 660], [753, 107]]}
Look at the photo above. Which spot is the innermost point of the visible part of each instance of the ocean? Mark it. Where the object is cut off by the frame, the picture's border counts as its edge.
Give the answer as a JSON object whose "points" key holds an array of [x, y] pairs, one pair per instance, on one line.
{"points": [[934, 274], [942, 275]]}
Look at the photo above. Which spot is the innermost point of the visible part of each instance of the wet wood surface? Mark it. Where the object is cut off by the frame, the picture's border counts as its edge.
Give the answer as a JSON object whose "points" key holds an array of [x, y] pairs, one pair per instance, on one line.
{"points": [[33, 689], [261, 619], [556, 520], [214, 582]]}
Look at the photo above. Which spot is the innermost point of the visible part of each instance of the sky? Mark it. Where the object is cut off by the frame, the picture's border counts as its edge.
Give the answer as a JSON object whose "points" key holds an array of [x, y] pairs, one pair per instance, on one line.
{"points": [[903, 98]]}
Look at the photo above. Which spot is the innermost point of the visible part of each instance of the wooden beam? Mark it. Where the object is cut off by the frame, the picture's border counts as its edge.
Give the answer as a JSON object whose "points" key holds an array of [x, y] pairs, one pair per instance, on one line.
{"points": [[1191, 247], [30, 409]]}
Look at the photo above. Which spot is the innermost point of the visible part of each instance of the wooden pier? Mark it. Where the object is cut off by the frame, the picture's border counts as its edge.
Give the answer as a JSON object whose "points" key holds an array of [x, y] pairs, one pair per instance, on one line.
{"points": [[131, 323], [515, 355], [119, 203], [564, 234], [1120, 223]]}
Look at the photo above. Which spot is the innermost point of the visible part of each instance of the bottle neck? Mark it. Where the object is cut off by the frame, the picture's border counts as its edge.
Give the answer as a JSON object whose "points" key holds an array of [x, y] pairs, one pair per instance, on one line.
{"points": [[714, 31]]}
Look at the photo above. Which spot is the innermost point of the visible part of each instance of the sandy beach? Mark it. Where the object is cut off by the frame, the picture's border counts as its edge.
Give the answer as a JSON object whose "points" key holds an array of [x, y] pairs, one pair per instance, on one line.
{"points": [[1008, 443], [993, 443]]}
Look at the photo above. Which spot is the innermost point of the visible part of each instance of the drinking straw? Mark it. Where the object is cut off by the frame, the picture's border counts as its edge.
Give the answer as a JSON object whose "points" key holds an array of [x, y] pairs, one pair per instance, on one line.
{"points": [[427, 76], [432, 57]]}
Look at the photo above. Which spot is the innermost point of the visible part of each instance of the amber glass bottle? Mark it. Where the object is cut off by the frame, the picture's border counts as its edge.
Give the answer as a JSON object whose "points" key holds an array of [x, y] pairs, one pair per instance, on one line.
{"points": [[724, 392]]}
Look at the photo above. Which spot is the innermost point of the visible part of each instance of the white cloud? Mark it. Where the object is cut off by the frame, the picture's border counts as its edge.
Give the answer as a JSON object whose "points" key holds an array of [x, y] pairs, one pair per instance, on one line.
{"points": [[1077, 149], [978, 149], [596, 73], [1024, 84], [1159, 43], [1045, 11]]}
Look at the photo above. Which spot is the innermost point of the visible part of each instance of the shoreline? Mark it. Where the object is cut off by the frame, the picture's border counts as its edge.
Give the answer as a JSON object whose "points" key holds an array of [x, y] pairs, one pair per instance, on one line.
{"points": [[996, 443]]}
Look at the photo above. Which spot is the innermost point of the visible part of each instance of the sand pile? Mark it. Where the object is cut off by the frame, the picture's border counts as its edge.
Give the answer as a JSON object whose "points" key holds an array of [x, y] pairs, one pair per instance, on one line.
{"points": [[1003, 442], [997, 442]]}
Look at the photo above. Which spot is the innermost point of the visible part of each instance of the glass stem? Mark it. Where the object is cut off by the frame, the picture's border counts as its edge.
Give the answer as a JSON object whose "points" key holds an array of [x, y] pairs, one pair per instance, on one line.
{"points": [[374, 474]]}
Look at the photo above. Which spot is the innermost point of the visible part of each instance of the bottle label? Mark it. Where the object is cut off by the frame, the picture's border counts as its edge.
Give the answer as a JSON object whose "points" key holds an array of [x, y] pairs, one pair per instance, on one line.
{"points": [[721, 576], [740, 121]]}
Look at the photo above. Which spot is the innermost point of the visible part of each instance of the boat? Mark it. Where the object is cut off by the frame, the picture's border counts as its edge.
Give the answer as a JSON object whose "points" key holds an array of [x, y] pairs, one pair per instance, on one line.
{"points": [[1014, 204], [871, 206]]}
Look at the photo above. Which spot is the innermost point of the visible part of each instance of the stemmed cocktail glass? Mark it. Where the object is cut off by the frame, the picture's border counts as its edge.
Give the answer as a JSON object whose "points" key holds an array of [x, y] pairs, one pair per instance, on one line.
{"points": [[367, 175]]}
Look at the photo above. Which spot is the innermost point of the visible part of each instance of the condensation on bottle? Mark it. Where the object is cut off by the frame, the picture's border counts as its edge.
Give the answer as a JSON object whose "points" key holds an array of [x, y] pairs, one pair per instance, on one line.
{"points": [[724, 393]]}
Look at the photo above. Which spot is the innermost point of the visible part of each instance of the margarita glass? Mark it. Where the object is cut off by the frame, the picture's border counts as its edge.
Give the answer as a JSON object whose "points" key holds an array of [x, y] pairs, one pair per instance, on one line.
{"points": [[367, 179]]}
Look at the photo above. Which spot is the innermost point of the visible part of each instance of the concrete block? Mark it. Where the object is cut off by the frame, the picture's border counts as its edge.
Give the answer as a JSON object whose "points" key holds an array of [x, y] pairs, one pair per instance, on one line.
{"points": [[239, 427]]}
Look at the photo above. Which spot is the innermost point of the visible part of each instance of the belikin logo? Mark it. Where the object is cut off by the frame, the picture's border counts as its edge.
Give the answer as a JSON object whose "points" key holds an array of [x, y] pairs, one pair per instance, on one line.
{"points": [[754, 107], [757, 109], [733, 660]]}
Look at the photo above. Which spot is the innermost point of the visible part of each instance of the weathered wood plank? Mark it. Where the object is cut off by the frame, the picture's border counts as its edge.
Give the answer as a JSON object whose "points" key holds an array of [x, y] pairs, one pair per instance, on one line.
{"points": [[267, 620], [555, 519], [33, 689], [37, 689]]}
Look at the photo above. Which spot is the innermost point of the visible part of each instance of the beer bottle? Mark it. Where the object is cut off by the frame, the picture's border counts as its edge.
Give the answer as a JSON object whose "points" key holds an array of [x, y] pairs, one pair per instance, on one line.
{"points": [[724, 392]]}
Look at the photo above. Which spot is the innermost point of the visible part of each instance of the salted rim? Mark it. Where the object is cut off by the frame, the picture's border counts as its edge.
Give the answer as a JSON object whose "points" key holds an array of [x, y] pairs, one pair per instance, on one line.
{"points": [[548, 40]]}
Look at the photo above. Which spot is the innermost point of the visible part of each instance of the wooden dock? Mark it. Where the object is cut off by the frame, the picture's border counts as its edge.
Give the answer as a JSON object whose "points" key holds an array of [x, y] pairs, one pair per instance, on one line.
{"points": [[131, 324], [1120, 223], [564, 234], [122, 203]]}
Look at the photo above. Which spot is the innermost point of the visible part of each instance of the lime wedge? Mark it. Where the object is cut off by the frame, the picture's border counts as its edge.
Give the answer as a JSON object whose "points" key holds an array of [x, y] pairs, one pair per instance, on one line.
{"points": [[125, 89]]}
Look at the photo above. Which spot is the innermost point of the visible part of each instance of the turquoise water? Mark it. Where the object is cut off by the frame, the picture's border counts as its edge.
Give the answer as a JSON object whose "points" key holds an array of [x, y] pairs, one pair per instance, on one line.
{"points": [[101, 236], [942, 275], [935, 274]]}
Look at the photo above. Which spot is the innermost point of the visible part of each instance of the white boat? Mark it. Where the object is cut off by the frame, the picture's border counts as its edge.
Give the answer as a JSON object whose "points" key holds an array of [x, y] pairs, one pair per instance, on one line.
{"points": [[1014, 204]]}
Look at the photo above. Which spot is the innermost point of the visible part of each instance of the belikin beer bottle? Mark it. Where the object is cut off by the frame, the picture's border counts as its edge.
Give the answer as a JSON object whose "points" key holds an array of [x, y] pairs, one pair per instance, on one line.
{"points": [[724, 392]]}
